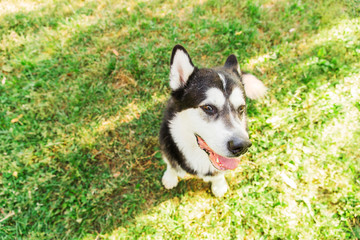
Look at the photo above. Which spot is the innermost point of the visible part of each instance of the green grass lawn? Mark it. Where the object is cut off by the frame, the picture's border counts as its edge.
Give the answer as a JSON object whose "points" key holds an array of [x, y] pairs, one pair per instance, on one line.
{"points": [[82, 88]]}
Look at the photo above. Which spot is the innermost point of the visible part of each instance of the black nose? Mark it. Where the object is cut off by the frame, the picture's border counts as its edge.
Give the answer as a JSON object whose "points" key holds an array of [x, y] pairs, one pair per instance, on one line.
{"points": [[238, 147]]}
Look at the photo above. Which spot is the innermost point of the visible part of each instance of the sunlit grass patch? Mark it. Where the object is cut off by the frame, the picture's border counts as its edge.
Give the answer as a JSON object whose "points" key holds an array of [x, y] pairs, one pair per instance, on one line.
{"points": [[11, 7]]}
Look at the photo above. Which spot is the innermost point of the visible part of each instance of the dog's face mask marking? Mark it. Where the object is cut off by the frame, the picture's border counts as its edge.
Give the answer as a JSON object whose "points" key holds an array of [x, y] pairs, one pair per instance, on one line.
{"points": [[237, 98], [238, 113], [214, 98], [210, 119], [222, 80]]}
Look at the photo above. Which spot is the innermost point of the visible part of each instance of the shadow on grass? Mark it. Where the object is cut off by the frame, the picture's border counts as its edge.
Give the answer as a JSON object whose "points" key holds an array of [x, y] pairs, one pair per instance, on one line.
{"points": [[132, 183]]}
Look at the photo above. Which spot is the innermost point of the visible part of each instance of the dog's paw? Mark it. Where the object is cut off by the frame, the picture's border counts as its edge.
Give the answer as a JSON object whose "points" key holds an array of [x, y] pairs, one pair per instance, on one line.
{"points": [[219, 188], [169, 180]]}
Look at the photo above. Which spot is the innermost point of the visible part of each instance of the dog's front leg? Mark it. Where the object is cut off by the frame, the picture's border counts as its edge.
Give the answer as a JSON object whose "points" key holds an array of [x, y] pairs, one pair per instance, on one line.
{"points": [[170, 177], [219, 185]]}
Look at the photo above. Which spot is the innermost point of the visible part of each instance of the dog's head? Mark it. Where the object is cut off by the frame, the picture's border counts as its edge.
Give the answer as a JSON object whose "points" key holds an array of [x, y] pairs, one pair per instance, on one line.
{"points": [[210, 107]]}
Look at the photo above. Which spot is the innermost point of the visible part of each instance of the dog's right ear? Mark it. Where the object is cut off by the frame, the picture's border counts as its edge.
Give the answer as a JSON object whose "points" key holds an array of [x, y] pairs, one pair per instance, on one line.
{"points": [[181, 67]]}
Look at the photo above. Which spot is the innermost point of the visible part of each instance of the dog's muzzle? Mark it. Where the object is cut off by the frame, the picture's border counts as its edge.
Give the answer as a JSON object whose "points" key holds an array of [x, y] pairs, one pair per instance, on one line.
{"points": [[238, 146], [218, 161]]}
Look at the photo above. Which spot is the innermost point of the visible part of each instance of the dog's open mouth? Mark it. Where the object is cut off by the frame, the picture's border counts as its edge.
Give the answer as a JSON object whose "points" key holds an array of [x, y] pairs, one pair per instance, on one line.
{"points": [[219, 162]]}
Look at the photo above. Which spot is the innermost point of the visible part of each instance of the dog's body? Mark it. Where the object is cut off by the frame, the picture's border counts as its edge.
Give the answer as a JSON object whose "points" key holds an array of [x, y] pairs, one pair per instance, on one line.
{"points": [[204, 129]]}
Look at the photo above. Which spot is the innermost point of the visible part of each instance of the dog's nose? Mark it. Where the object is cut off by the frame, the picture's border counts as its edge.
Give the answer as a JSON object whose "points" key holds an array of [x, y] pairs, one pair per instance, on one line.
{"points": [[238, 147]]}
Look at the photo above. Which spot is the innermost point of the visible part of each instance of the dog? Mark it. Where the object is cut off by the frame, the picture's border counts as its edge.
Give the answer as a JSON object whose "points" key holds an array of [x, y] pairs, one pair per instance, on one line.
{"points": [[204, 128]]}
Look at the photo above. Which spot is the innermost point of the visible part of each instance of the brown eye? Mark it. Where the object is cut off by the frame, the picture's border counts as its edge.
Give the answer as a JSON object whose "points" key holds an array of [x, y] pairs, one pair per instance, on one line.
{"points": [[209, 109], [241, 109]]}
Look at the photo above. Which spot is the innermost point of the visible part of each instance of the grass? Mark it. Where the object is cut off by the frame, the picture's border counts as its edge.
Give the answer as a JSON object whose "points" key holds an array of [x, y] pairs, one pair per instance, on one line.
{"points": [[83, 86]]}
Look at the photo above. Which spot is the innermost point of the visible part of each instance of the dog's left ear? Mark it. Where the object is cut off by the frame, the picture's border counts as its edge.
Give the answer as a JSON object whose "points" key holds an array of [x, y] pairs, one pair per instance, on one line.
{"points": [[254, 88], [232, 64], [181, 67]]}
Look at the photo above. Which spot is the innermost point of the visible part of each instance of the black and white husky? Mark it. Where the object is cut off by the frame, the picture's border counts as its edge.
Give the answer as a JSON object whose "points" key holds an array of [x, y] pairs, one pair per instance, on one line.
{"points": [[204, 129]]}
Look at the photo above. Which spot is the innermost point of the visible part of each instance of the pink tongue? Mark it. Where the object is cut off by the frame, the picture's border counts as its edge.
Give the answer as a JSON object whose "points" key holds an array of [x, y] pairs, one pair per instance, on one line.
{"points": [[223, 162], [219, 162]]}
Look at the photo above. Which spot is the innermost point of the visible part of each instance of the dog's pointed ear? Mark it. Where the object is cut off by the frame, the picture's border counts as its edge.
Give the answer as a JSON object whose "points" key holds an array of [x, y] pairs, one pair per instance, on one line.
{"points": [[254, 88], [181, 67], [232, 63]]}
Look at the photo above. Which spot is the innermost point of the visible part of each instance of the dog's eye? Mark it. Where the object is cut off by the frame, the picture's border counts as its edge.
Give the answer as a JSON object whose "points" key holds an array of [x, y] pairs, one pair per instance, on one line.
{"points": [[241, 109], [209, 109]]}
